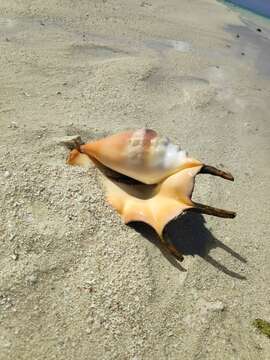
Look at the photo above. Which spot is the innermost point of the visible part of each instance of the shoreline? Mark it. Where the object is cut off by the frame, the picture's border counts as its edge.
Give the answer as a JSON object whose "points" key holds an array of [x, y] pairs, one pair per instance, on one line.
{"points": [[247, 9]]}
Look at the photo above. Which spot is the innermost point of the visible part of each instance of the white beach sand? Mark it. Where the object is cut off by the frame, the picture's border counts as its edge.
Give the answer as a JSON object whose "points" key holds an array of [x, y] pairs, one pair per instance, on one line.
{"points": [[75, 282]]}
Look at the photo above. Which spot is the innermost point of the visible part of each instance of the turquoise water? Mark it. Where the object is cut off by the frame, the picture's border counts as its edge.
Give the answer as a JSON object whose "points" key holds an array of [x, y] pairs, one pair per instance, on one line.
{"points": [[260, 7]]}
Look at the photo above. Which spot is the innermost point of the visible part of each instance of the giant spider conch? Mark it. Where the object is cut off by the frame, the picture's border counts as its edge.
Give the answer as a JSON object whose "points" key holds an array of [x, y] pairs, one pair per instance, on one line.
{"points": [[147, 178]]}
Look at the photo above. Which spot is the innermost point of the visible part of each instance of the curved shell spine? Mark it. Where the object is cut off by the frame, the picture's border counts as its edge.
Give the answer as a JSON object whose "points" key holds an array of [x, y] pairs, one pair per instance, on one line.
{"points": [[141, 155]]}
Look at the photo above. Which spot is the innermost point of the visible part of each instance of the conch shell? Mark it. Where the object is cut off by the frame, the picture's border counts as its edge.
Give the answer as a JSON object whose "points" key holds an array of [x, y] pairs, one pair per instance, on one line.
{"points": [[147, 178]]}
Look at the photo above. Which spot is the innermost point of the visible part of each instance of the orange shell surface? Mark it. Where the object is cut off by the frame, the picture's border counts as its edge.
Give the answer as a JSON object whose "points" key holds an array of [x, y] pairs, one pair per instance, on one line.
{"points": [[155, 206], [141, 155]]}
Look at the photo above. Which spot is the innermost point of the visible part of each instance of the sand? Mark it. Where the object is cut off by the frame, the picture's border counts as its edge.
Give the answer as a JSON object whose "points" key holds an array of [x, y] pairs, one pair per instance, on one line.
{"points": [[75, 282]]}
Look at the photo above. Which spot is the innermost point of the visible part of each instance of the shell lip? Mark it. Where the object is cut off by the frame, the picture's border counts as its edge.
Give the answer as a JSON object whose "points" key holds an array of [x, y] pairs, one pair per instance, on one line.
{"points": [[125, 179], [115, 175]]}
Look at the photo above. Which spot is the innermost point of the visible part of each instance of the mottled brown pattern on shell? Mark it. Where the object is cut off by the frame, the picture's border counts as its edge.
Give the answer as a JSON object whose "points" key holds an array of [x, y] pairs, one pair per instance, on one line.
{"points": [[148, 136]]}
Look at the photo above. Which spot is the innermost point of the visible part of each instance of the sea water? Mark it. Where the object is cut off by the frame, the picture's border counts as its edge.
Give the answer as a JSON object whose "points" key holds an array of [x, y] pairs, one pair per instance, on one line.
{"points": [[260, 7]]}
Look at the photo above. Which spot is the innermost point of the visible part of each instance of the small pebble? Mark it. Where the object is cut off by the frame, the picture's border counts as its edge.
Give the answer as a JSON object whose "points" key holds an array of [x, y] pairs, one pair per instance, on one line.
{"points": [[32, 279], [7, 174], [13, 125], [217, 306], [15, 256]]}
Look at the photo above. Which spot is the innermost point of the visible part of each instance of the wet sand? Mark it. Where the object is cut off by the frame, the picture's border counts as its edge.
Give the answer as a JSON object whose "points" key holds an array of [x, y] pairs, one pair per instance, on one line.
{"points": [[75, 282]]}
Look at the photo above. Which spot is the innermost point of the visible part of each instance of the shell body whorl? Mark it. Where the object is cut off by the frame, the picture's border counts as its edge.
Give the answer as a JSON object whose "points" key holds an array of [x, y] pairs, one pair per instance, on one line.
{"points": [[141, 155]]}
